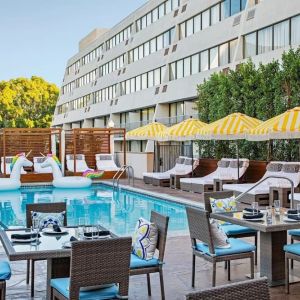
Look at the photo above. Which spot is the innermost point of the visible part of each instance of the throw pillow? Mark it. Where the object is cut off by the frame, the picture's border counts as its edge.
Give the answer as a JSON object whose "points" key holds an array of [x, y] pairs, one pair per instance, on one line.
{"points": [[274, 167], [223, 163], [291, 168], [144, 239], [46, 220], [219, 237], [223, 205], [234, 164]]}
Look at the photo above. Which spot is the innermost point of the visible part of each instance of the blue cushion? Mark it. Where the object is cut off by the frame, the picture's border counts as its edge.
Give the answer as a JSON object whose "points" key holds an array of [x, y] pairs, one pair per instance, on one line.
{"points": [[62, 286], [236, 246], [5, 271], [292, 248], [294, 232], [232, 229], [136, 262]]}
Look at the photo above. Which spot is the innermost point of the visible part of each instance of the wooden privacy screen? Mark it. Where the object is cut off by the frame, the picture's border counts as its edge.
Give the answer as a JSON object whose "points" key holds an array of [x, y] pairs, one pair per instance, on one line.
{"points": [[36, 140], [91, 141]]}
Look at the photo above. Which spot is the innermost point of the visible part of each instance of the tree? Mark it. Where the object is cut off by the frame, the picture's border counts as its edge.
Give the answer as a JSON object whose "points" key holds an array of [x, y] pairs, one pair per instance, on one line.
{"points": [[27, 102]]}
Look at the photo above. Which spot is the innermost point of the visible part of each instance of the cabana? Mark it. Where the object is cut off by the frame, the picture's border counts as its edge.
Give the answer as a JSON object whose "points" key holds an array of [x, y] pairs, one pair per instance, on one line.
{"points": [[88, 142], [33, 140]]}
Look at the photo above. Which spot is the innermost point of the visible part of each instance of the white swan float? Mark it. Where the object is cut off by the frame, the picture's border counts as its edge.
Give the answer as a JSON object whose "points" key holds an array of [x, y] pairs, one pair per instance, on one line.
{"points": [[13, 183], [61, 181]]}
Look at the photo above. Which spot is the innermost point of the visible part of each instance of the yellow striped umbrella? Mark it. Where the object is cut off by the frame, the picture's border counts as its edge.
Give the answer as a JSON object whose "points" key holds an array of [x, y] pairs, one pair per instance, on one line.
{"points": [[232, 127], [284, 126], [184, 131], [147, 132]]}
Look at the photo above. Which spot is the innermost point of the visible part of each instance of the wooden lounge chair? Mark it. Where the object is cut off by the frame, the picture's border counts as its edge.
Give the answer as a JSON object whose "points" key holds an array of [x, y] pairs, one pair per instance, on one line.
{"points": [[139, 266], [256, 289], [5, 274], [203, 246], [97, 263], [55, 207]]}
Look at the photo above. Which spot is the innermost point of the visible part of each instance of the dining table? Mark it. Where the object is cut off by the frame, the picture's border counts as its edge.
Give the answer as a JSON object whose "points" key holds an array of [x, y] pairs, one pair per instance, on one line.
{"points": [[273, 237], [54, 248]]}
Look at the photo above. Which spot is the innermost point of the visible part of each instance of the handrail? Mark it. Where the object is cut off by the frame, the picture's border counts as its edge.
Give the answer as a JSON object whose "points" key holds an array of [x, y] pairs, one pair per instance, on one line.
{"points": [[120, 172], [264, 179]]}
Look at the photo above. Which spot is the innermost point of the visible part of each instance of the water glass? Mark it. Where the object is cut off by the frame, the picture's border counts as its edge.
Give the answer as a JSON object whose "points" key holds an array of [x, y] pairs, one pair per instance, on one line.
{"points": [[298, 209], [277, 207], [35, 229], [81, 228], [269, 211], [95, 232], [254, 208]]}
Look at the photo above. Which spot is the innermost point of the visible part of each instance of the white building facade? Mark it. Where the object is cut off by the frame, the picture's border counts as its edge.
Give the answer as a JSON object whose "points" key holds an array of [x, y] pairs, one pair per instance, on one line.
{"points": [[148, 66]]}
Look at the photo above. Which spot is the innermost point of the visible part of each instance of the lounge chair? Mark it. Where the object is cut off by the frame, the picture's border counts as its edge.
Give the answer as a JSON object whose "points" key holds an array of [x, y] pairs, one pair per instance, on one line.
{"points": [[81, 165], [105, 162], [8, 160], [261, 192], [37, 161], [227, 169]]}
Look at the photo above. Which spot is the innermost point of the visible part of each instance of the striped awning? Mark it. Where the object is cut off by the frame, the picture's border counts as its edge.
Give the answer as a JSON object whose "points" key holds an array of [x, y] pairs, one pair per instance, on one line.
{"points": [[147, 132], [284, 126], [232, 127], [184, 131]]}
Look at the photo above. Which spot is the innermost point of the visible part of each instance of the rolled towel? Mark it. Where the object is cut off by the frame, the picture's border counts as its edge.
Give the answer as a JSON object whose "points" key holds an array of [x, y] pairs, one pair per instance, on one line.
{"points": [[24, 236], [249, 217], [294, 217], [292, 212], [251, 210]]}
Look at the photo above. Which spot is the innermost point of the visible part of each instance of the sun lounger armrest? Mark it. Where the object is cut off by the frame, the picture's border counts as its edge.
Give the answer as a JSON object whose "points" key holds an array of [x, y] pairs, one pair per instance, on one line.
{"points": [[217, 195]]}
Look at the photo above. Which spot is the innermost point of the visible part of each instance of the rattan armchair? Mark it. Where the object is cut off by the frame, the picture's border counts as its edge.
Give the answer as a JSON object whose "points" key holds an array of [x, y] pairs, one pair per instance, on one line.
{"points": [[236, 231], [162, 223], [55, 207], [256, 289], [200, 231], [95, 263]]}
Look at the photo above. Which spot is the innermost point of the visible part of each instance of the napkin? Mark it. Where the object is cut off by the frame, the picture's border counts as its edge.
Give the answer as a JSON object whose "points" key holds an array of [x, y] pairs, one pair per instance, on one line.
{"points": [[294, 217], [56, 228], [251, 210], [73, 239], [257, 216], [292, 211], [23, 236]]}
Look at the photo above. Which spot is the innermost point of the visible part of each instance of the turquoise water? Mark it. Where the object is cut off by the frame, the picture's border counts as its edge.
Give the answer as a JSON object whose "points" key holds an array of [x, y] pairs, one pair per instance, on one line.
{"points": [[117, 211]]}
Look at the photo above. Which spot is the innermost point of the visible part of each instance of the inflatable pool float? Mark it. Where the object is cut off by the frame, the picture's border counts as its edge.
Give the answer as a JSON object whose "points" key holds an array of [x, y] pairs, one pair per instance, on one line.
{"points": [[14, 181], [60, 181]]}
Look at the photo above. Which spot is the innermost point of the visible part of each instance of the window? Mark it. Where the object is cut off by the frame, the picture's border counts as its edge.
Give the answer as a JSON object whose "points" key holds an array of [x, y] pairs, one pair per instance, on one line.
{"points": [[138, 83], [159, 43], [144, 81], [161, 10], [195, 64], [155, 15], [187, 67], [168, 6], [250, 45], [179, 69], [150, 79], [215, 14], [172, 71], [213, 58], [132, 85], [281, 35], [153, 46], [232, 46], [235, 7], [295, 30], [204, 60], [197, 23], [225, 9], [224, 54], [189, 27], [264, 40], [147, 48], [205, 19], [182, 30], [157, 75]]}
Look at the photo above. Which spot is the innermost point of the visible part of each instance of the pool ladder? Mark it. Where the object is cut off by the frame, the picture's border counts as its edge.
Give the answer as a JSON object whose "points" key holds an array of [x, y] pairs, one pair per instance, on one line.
{"points": [[120, 172]]}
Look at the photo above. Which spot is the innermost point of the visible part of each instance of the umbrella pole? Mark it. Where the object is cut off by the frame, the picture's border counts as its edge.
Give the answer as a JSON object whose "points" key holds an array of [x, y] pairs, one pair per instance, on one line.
{"points": [[192, 148], [238, 161]]}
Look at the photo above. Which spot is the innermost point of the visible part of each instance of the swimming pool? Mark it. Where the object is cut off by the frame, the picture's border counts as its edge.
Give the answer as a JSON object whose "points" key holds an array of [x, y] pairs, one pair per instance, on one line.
{"points": [[118, 211]]}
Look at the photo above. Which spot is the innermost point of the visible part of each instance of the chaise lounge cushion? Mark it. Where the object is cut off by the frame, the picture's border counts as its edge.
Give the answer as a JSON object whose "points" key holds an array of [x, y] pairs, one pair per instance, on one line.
{"points": [[292, 248], [294, 232], [5, 271], [136, 262], [237, 246], [62, 286]]}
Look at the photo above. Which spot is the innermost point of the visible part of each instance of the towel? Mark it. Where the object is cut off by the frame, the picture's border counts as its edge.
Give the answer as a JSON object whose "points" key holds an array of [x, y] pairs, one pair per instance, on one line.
{"points": [[257, 216], [73, 239], [251, 210], [294, 217], [23, 236]]}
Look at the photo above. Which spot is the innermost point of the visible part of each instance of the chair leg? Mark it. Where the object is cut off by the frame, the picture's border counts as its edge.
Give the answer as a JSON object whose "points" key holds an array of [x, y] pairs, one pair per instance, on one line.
{"points": [[214, 274], [252, 265], [287, 274], [28, 272], [3, 291], [225, 264], [292, 261], [162, 286], [32, 278], [149, 284], [228, 270], [193, 270], [255, 242]]}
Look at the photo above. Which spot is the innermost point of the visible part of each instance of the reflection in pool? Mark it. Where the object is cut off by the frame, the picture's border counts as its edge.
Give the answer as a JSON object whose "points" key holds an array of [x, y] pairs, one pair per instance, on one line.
{"points": [[118, 211]]}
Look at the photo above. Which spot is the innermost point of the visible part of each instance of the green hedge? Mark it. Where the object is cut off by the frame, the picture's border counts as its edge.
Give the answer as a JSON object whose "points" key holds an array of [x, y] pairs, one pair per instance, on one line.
{"points": [[261, 92]]}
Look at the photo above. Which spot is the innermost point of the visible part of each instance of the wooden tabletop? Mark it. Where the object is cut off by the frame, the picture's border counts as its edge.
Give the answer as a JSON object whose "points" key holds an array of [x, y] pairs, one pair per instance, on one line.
{"points": [[278, 222]]}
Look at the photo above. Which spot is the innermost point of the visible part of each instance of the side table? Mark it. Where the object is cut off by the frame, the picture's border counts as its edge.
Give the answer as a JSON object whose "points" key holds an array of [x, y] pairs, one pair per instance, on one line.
{"points": [[281, 193], [175, 180], [218, 183]]}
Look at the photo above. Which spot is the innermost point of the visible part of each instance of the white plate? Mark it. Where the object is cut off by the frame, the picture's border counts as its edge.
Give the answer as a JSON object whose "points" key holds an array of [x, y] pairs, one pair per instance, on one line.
{"points": [[254, 220], [50, 231], [248, 212], [286, 219], [23, 241]]}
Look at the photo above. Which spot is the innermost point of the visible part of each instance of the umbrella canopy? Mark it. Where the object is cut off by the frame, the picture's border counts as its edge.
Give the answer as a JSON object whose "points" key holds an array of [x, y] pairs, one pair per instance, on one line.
{"points": [[284, 126], [232, 127], [147, 132], [184, 131]]}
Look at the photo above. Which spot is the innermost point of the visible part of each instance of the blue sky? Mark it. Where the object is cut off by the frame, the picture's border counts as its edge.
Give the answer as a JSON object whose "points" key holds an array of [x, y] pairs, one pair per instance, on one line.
{"points": [[38, 36]]}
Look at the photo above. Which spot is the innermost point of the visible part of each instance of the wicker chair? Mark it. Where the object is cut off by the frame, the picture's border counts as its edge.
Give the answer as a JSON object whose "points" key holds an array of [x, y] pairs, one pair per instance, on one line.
{"points": [[246, 290], [200, 230], [5, 274], [55, 207], [162, 223], [236, 231], [94, 263]]}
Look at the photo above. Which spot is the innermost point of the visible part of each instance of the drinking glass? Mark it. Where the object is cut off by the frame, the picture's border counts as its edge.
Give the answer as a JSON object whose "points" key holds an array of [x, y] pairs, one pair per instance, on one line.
{"points": [[277, 207], [95, 232], [269, 211], [298, 209], [81, 228], [254, 208], [35, 229]]}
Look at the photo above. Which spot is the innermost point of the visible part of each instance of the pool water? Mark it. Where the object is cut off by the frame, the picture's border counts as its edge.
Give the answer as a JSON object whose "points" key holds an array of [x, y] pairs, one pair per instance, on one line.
{"points": [[118, 211]]}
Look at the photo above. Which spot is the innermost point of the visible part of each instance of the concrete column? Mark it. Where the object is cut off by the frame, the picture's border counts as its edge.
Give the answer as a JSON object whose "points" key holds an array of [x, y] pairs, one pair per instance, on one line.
{"points": [[87, 123]]}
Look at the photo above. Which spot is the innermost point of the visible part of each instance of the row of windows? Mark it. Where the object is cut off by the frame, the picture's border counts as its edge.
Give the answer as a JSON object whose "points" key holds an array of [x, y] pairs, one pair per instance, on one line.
{"points": [[61, 109], [143, 81], [273, 37], [92, 55], [74, 67], [119, 38], [204, 60], [145, 115], [156, 44], [79, 102], [112, 65], [211, 16], [105, 94], [157, 13]]}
